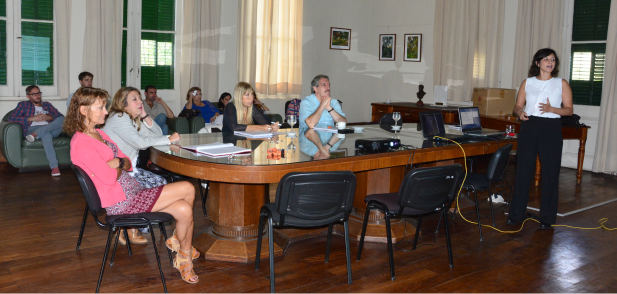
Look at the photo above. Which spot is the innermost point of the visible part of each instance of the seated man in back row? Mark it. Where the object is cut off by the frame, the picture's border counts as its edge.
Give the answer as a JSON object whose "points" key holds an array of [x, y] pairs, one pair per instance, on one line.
{"points": [[319, 108], [157, 109], [39, 120]]}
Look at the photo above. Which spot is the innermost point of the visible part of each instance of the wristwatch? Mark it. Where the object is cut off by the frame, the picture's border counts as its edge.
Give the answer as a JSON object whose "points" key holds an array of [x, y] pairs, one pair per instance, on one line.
{"points": [[330, 110], [121, 162], [142, 119]]}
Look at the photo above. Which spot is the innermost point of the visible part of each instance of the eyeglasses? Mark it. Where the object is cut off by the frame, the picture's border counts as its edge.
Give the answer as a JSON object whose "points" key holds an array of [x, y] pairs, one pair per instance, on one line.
{"points": [[36, 94]]}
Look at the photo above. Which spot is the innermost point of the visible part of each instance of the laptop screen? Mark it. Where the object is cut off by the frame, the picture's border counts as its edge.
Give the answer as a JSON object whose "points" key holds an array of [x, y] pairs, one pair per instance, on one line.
{"points": [[469, 118], [432, 124]]}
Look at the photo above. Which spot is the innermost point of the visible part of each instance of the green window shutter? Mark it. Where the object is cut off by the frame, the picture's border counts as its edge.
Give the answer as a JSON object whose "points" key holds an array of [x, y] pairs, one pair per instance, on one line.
{"points": [[37, 53], [37, 9], [590, 20], [587, 73], [123, 62], [2, 52], [157, 63], [3, 8], [158, 15]]}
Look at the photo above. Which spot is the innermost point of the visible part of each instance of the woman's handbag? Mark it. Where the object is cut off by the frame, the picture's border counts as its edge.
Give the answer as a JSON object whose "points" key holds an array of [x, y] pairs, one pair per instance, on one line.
{"points": [[189, 113]]}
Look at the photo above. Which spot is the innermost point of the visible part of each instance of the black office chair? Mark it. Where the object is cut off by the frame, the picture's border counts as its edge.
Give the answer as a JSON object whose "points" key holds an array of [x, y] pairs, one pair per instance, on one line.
{"points": [[142, 162], [114, 222], [309, 200], [204, 191], [482, 182], [422, 192]]}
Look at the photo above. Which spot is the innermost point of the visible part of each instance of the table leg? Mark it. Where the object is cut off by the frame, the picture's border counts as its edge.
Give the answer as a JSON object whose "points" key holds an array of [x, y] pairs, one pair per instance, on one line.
{"points": [[234, 209], [581, 158]]}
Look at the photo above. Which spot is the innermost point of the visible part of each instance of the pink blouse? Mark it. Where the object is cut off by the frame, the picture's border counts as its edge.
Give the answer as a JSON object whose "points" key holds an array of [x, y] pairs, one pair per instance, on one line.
{"points": [[92, 156]]}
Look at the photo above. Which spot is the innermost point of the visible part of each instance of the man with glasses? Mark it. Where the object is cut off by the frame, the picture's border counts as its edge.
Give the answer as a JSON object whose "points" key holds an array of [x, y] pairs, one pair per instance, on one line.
{"points": [[39, 120]]}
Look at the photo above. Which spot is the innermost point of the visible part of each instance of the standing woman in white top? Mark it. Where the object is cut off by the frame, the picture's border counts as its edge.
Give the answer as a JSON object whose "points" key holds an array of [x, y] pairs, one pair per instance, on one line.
{"points": [[542, 99]]}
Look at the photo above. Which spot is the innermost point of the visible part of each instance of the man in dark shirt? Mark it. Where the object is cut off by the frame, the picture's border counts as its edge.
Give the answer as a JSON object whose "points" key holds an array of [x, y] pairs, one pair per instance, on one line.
{"points": [[39, 120]]}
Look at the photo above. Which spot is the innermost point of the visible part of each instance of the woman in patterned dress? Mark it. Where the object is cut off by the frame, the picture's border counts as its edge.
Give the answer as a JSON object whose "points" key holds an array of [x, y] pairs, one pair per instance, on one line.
{"points": [[132, 129], [98, 155]]}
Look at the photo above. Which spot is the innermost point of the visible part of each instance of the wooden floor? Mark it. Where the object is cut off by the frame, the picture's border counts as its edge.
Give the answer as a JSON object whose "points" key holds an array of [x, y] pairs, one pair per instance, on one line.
{"points": [[40, 218]]}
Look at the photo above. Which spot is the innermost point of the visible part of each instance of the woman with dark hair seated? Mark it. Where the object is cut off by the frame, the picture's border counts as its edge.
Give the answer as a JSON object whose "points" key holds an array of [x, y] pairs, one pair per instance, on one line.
{"points": [[223, 101], [108, 167], [241, 115]]}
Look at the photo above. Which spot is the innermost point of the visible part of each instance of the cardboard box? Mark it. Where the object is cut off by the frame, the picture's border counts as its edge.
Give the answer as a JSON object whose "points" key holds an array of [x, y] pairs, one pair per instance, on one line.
{"points": [[493, 101]]}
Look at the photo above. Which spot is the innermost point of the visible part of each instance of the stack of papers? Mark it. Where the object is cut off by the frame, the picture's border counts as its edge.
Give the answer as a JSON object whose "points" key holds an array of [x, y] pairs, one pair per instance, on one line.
{"points": [[256, 134], [328, 129], [216, 149]]}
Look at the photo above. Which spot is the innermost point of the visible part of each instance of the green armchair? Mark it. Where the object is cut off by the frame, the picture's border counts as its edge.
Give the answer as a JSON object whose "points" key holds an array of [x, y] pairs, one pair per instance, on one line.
{"points": [[28, 156], [178, 125]]}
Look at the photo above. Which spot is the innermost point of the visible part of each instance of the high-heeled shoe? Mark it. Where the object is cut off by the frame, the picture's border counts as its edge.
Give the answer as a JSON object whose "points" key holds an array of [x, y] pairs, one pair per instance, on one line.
{"points": [[185, 266], [135, 237], [173, 244]]}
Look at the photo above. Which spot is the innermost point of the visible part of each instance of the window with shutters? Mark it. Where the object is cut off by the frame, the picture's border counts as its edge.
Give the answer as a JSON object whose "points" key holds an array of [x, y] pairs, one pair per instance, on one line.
{"points": [[27, 46], [588, 48], [148, 43]]}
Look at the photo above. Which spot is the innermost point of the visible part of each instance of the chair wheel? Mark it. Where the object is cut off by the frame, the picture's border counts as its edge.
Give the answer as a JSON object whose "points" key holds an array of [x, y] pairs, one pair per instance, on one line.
{"points": [[393, 278], [111, 264]]}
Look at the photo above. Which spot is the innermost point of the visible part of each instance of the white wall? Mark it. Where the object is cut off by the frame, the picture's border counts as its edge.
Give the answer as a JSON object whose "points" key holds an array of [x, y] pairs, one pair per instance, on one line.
{"points": [[357, 76]]}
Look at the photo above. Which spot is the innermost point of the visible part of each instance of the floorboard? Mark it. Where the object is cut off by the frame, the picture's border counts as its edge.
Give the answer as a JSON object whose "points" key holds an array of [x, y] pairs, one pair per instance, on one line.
{"points": [[40, 218]]}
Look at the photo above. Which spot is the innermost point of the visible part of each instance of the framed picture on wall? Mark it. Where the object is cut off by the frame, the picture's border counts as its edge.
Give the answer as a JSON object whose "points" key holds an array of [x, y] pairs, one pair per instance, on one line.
{"points": [[413, 47], [340, 39], [387, 46]]}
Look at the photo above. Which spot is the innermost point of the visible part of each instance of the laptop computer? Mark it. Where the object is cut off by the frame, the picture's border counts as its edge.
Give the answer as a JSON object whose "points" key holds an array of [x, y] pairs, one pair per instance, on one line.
{"points": [[470, 123], [432, 125]]}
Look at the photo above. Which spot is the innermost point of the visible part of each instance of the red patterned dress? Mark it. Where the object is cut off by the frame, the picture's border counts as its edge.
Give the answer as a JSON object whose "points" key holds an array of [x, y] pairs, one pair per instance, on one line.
{"points": [[138, 198]]}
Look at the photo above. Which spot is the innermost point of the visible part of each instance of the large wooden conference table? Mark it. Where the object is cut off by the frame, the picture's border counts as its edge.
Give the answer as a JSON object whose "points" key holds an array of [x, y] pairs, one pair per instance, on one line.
{"points": [[238, 188]]}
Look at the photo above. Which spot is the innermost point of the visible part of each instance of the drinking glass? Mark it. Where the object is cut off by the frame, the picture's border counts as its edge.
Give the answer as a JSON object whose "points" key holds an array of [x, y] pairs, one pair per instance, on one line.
{"points": [[291, 119], [510, 130], [396, 116]]}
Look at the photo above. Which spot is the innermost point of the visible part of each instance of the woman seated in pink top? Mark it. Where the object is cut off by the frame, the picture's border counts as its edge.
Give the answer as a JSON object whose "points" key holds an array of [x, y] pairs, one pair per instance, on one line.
{"points": [[99, 156]]}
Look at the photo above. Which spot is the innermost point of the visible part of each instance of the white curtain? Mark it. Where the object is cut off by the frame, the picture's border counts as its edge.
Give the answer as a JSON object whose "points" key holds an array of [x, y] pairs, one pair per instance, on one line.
{"points": [[467, 45], [63, 33], [487, 61], [270, 45], [103, 43], [539, 25], [605, 157], [200, 48]]}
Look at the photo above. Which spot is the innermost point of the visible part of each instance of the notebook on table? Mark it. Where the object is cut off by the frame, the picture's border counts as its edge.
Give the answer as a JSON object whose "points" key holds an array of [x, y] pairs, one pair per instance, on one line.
{"points": [[433, 127], [471, 125]]}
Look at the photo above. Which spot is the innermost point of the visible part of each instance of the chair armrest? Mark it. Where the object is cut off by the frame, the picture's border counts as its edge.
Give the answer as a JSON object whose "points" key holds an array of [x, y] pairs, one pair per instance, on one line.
{"points": [[178, 125], [275, 117], [196, 123], [10, 142]]}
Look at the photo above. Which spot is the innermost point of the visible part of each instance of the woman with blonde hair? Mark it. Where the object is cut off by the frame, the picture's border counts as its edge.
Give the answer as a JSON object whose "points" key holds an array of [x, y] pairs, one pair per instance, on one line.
{"points": [[242, 115], [133, 129], [99, 156]]}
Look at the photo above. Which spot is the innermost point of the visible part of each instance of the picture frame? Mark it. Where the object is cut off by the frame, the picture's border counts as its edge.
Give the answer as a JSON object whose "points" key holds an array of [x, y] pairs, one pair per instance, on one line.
{"points": [[340, 39], [413, 48], [387, 47]]}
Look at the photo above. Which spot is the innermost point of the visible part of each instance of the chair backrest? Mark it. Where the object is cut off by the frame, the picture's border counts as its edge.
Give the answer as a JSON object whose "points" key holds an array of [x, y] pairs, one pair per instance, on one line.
{"points": [[498, 164], [319, 197], [87, 187], [428, 188]]}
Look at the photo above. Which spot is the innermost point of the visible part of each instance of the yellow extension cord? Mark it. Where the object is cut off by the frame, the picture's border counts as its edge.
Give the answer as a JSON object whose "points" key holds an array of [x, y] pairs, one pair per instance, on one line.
{"points": [[601, 221]]}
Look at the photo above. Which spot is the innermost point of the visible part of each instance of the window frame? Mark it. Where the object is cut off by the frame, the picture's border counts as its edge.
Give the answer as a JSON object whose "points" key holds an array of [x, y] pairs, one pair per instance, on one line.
{"points": [[133, 48], [567, 44], [13, 88]]}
